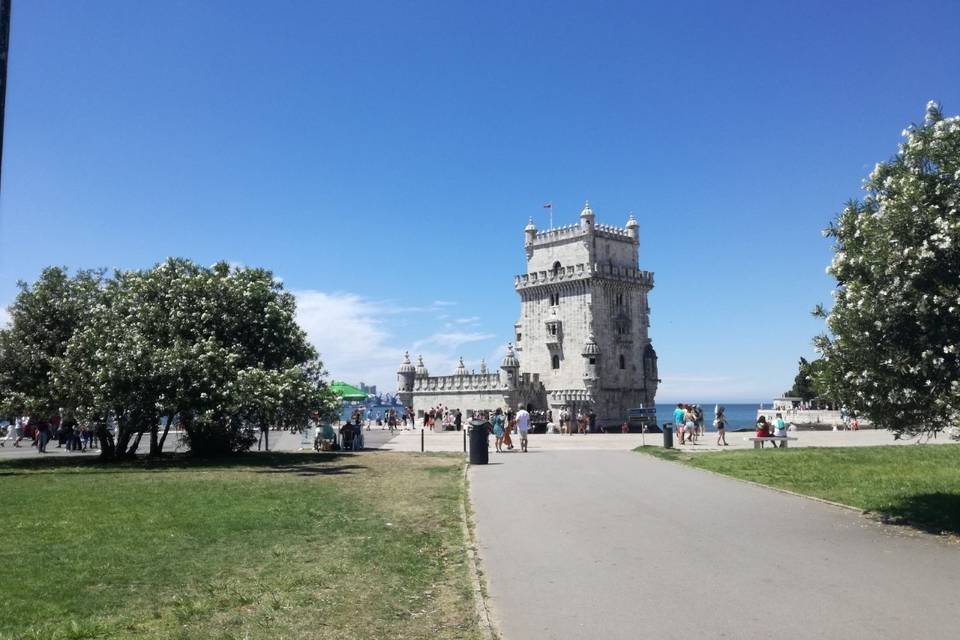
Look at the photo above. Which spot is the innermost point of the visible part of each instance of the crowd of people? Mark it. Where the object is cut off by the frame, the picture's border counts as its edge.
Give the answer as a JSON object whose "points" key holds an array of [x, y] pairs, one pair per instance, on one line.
{"points": [[689, 425], [579, 422], [69, 434], [504, 423], [441, 418]]}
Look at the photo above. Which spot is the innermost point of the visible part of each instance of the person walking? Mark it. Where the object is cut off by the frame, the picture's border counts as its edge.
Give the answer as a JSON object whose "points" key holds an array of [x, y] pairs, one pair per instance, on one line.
{"points": [[720, 424], [523, 427], [43, 435], [510, 426], [690, 425], [498, 429], [679, 418]]}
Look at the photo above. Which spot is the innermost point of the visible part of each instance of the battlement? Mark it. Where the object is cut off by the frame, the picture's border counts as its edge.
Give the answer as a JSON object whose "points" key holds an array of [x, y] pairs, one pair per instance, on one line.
{"points": [[575, 231], [612, 232], [582, 271], [566, 232], [469, 382]]}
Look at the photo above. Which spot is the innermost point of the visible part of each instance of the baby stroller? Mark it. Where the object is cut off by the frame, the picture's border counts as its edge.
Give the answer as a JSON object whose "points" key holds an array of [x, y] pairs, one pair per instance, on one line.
{"points": [[326, 439]]}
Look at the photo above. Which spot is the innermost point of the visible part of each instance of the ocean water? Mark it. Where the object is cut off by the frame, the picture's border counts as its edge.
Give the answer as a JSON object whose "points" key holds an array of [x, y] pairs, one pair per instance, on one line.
{"points": [[739, 416]]}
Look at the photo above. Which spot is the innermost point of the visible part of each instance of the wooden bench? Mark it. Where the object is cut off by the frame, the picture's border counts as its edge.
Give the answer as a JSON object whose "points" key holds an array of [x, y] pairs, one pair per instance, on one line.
{"points": [[758, 442]]}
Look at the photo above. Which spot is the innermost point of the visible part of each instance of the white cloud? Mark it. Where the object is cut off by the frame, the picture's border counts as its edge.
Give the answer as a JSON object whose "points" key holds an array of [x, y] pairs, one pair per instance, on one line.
{"points": [[354, 337], [346, 330], [452, 340], [4, 318]]}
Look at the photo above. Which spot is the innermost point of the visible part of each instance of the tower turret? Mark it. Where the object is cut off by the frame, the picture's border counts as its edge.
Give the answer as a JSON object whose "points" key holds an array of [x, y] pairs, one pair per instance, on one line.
{"points": [[421, 370], [405, 377], [591, 357], [529, 235], [633, 229], [586, 217], [509, 369]]}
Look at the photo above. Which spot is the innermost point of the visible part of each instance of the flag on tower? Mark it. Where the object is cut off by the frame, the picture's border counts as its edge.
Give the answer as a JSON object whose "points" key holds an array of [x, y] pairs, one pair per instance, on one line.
{"points": [[548, 205]]}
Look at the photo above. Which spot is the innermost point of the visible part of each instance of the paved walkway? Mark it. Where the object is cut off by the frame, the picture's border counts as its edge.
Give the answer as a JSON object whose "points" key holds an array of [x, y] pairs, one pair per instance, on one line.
{"points": [[613, 544], [280, 441], [453, 440]]}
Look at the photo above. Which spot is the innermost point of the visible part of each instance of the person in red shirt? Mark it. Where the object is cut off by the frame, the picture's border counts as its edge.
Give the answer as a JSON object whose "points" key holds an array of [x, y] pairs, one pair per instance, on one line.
{"points": [[763, 429]]}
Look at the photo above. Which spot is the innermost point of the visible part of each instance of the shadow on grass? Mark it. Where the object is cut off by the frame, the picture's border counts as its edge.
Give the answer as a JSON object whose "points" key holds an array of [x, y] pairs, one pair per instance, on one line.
{"points": [[935, 513], [307, 464]]}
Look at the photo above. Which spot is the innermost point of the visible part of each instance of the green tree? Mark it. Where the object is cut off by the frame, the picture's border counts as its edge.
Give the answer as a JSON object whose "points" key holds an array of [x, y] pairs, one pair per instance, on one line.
{"points": [[43, 317], [808, 383], [216, 348], [894, 329]]}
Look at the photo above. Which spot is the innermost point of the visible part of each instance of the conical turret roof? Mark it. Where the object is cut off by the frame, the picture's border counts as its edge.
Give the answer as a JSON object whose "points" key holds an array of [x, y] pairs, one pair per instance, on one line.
{"points": [[421, 369], [590, 347], [510, 360], [587, 212], [406, 366]]}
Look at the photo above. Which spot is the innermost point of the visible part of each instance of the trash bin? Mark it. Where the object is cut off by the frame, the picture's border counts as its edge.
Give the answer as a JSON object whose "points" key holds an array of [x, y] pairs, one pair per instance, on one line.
{"points": [[479, 444], [667, 436]]}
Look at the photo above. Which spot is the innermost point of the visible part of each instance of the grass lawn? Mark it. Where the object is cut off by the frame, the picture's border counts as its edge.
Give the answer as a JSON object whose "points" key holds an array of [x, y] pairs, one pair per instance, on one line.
{"points": [[276, 546], [916, 485]]}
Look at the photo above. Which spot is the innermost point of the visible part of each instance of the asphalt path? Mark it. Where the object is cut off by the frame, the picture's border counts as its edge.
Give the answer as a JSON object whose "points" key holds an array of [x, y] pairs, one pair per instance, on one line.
{"points": [[613, 544], [280, 441]]}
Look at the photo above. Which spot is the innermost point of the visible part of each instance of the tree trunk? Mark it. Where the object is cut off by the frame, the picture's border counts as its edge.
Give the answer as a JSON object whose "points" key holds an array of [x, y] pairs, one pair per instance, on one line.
{"points": [[107, 448], [154, 442], [123, 438], [166, 430], [132, 451]]}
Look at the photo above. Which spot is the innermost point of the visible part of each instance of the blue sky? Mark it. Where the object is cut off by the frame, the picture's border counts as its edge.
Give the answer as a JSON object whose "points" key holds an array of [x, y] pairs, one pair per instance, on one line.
{"points": [[383, 158]]}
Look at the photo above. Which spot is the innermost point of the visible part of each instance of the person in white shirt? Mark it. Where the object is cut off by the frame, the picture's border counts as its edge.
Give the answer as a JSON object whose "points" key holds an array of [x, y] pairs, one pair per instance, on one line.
{"points": [[523, 426]]}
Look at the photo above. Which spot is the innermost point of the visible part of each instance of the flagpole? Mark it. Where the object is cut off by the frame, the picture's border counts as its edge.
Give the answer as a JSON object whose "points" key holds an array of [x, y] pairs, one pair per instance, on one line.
{"points": [[551, 214]]}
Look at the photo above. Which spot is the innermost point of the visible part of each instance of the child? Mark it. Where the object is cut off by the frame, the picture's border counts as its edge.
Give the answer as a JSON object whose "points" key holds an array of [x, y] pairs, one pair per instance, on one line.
{"points": [[690, 428], [720, 423]]}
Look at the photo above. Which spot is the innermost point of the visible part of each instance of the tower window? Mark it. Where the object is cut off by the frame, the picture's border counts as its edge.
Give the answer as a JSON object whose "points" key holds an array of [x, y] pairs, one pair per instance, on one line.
{"points": [[555, 362], [554, 299], [518, 337], [556, 267], [623, 362], [593, 360], [619, 300]]}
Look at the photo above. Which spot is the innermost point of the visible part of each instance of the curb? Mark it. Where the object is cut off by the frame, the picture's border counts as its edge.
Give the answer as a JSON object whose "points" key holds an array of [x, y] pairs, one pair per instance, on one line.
{"points": [[487, 630]]}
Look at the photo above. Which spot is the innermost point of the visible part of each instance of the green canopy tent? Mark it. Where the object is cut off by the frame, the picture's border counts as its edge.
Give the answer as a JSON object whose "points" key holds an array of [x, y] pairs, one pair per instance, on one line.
{"points": [[348, 392]]}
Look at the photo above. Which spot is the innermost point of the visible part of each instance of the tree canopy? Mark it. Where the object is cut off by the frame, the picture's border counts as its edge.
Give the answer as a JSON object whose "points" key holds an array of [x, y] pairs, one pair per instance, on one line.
{"points": [[216, 348], [893, 348]]}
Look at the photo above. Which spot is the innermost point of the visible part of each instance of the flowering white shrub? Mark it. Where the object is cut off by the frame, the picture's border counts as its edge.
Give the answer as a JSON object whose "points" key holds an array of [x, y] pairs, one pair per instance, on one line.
{"points": [[218, 347], [894, 329]]}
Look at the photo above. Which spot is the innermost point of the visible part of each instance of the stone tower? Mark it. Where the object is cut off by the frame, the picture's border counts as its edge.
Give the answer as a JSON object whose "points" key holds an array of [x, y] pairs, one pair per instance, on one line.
{"points": [[584, 317]]}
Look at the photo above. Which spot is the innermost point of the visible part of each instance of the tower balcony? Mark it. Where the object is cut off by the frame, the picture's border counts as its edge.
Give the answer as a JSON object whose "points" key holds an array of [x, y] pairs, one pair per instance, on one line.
{"points": [[554, 333]]}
